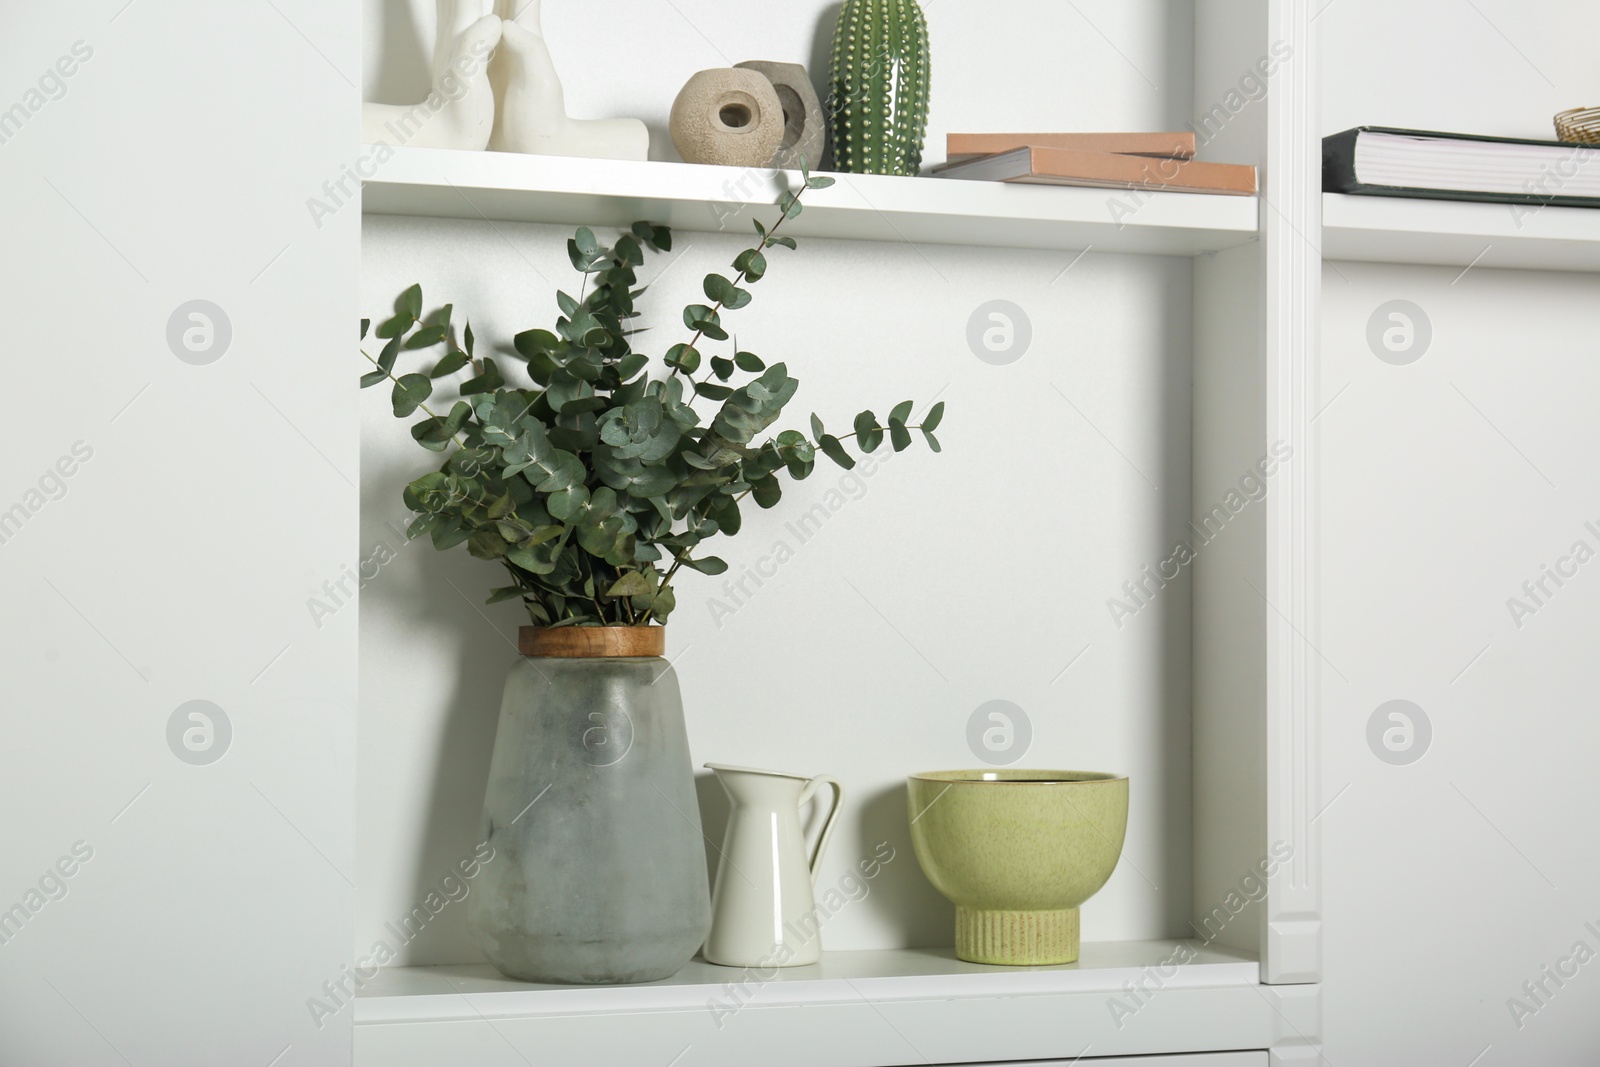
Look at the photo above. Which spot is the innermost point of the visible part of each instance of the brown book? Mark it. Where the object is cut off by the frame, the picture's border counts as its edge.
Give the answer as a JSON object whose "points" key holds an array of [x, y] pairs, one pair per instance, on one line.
{"points": [[1105, 170], [960, 147]]}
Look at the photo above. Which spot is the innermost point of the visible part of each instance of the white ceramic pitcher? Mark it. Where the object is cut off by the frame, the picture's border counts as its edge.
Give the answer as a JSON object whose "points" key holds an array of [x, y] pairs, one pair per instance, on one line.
{"points": [[763, 912]]}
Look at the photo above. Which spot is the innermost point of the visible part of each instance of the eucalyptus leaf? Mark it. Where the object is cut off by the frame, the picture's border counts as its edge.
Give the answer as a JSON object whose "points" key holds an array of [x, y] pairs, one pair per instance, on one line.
{"points": [[410, 302], [725, 292], [536, 342], [630, 365], [410, 392], [460, 412], [767, 492], [633, 583], [487, 382], [387, 357], [448, 364], [684, 357], [431, 434], [629, 252], [426, 337], [868, 434], [899, 436], [395, 326], [752, 264], [834, 449]]}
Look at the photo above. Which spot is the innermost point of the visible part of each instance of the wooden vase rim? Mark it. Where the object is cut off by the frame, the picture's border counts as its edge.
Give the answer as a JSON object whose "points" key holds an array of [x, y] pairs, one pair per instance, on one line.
{"points": [[591, 642]]}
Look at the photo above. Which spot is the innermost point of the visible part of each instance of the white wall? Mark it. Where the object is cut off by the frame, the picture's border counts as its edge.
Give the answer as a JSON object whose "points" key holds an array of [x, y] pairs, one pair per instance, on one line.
{"points": [[1492, 66], [1446, 484], [993, 562], [173, 165]]}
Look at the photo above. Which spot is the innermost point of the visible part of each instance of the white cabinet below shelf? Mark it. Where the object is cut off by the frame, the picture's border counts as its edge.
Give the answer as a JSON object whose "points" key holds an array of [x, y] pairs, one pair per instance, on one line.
{"points": [[1459, 233], [861, 1008], [497, 186]]}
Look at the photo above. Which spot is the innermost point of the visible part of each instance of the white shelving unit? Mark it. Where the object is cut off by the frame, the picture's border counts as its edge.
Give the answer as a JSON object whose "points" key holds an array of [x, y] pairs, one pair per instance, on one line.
{"points": [[866, 207], [1380, 229], [1254, 755]]}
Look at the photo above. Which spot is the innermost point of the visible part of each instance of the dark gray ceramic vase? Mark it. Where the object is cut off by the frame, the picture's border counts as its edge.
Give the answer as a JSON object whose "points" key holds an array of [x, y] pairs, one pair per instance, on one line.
{"points": [[599, 873]]}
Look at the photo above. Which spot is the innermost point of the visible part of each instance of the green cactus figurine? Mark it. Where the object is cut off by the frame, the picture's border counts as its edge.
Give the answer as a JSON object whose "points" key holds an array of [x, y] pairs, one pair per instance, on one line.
{"points": [[878, 87]]}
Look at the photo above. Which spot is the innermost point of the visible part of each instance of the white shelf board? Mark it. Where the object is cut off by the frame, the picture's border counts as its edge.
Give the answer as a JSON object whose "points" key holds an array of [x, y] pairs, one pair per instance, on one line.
{"points": [[501, 186], [1384, 229], [860, 1007], [405, 994]]}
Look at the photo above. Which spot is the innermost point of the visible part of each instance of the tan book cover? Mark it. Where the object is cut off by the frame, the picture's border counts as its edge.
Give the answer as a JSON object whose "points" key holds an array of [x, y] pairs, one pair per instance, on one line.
{"points": [[960, 147], [1105, 170]]}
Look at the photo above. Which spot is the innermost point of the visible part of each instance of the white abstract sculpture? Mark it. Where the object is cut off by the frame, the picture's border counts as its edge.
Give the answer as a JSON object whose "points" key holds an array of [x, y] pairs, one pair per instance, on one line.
{"points": [[532, 116], [460, 111]]}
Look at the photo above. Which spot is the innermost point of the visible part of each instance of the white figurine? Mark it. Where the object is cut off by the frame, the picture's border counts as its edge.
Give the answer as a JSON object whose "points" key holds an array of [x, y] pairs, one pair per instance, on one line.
{"points": [[532, 116], [460, 111]]}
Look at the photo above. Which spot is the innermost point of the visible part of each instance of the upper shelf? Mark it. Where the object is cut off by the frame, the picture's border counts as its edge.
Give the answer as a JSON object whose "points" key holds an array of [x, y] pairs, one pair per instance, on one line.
{"points": [[603, 192], [861, 1008], [1459, 233]]}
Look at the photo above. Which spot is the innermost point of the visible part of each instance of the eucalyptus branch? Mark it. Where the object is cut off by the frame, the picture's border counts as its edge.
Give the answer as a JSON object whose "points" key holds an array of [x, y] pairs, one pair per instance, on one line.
{"points": [[586, 536], [765, 243], [425, 408], [451, 345]]}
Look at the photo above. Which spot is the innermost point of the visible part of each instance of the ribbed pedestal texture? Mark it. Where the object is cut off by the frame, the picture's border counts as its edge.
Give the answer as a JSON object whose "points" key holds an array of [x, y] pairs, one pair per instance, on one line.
{"points": [[1017, 938]]}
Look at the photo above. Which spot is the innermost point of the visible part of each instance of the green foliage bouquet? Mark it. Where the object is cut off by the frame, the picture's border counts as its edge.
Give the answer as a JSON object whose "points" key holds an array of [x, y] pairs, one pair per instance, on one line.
{"points": [[595, 483]]}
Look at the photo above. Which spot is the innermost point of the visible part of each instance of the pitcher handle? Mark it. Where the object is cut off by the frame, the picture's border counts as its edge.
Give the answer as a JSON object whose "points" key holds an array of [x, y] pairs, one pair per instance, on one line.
{"points": [[833, 813]]}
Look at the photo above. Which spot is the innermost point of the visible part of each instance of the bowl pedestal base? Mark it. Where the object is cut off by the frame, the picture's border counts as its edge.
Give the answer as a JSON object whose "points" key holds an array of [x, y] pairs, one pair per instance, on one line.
{"points": [[1017, 938]]}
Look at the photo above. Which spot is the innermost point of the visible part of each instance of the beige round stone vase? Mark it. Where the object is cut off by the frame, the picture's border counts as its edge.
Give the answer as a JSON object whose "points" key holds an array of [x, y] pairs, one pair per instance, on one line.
{"points": [[728, 117], [1017, 852]]}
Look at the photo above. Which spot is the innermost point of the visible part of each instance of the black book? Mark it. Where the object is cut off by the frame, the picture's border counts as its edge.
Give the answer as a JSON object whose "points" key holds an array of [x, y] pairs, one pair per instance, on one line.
{"points": [[1383, 161]]}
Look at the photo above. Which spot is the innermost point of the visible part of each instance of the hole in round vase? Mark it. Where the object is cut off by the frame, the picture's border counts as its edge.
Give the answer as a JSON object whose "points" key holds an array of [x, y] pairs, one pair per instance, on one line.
{"points": [[734, 116]]}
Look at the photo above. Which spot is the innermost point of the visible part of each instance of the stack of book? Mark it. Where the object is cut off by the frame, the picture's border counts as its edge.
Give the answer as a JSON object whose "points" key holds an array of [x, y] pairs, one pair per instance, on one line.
{"points": [[1382, 161], [1098, 160]]}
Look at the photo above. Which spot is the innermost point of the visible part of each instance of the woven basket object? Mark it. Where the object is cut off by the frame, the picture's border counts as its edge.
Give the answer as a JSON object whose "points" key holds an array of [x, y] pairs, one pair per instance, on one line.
{"points": [[1580, 125]]}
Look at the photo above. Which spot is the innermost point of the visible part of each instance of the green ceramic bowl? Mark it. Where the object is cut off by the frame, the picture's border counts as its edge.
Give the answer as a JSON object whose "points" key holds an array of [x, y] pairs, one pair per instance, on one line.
{"points": [[1016, 851]]}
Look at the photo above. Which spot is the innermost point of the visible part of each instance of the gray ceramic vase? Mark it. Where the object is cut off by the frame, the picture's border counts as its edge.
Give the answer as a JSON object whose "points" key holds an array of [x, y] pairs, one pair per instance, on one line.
{"points": [[805, 131], [599, 873]]}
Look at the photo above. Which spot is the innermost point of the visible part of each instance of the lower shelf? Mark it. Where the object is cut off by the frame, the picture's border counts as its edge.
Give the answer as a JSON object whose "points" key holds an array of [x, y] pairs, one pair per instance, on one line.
{"points": [[861, 1008], [1459, 233]]}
